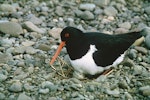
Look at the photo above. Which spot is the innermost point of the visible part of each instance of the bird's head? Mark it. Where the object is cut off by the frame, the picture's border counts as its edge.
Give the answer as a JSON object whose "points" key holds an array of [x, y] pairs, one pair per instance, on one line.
{"points": [[68, 35]]}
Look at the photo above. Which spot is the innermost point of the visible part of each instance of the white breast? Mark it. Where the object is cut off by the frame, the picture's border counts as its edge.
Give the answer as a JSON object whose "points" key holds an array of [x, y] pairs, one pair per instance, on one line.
{"points": [[86, 64]]}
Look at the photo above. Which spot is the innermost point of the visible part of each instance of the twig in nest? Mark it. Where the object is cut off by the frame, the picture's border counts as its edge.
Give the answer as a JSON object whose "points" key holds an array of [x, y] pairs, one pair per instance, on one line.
{"points": [[107, 72], [61, 64], [57, 71]]}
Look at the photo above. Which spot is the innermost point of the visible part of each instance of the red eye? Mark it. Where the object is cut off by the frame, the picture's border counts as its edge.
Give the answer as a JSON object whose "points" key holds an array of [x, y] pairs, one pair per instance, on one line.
{"points": [[67, 35]]}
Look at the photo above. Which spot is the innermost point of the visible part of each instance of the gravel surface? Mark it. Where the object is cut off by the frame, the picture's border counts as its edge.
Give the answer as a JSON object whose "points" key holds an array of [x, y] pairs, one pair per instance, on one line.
{"points": [[29, 36]]}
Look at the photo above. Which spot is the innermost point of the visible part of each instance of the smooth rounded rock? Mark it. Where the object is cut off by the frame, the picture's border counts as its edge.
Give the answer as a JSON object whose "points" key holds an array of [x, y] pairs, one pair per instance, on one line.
{"points": [[32, 27], [55, 32], [12, 28], [125, 25], [147, 41], [87, 6], [7, 8], [110, 11], [15, 87], [23, 96]]}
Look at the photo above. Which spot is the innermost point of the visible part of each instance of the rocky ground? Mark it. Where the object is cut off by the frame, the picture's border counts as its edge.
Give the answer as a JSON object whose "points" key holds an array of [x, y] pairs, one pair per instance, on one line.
{"points": [[29, 36]]}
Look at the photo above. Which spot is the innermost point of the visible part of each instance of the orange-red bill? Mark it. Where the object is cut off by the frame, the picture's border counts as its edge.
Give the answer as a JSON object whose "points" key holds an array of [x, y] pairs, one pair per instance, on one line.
{"points": [[62, 44]]}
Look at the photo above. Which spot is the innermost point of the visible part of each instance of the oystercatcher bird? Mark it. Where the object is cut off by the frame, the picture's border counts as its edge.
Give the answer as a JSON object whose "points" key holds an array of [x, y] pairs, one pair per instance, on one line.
{"points": [[92, 52]]}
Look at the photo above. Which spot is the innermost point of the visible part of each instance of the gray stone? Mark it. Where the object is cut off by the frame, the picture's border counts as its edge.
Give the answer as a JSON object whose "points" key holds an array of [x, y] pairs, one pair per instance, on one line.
{"points": [[3, 77], [2, 96], [21, 64], [101, 78], [132, 54], [44, 91], [87, 6], [101, 3], [19, 50], [87, 15], [141, 49], [4, 58], [59, 11], [44, 47], [121, 31], [125, 25], [28, 43], [7, 8], [145, 90], [12, 28], [44, 9], [147, 10], [30, 50], [6, 42], [47, 84], [147, 41], [23, 96], [114, 93], [110, 11], [137, 70], [55, 32], [98, 11], [128, 96], [78, 12], [52, 98], [35, 20], [32, 27], [16, 87], [123, 84], [28, 87]]}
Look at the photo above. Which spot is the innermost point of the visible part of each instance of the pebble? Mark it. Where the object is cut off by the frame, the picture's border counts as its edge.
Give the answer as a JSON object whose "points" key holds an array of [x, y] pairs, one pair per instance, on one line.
{"points": [[125, 25], [30, 50], [87, 6], [53, 98], [4, 58], [28, 43], [19, 50], [7, 8], [44, 47], [137, 70], [55, 32], [132, 54], [28, 87], [101, 3], [147, 10], [3, 77], [12, 28], [6, 42], [16, 87], [145, 90], [114, 93], [35, 20], [23, 96], [44, 91], [123, 84], [59, 11], [141, 49], [32, 27], [101, 78], [121, 31], [147, 41], [110, 11], [2, 96], [87, 15]]}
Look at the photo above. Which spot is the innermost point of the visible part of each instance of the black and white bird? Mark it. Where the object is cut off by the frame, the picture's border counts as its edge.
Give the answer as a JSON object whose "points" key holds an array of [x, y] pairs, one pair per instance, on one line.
{"points": [[92, 52]]}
